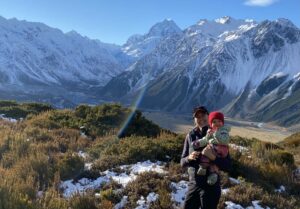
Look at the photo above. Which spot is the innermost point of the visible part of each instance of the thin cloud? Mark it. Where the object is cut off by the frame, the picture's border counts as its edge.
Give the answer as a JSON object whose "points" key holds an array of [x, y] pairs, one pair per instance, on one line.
{"points": [[260, 3]]}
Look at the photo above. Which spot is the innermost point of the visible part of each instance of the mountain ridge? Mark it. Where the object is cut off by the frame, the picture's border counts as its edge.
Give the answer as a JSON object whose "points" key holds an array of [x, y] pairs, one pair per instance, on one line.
{"points": [[212, 62]]}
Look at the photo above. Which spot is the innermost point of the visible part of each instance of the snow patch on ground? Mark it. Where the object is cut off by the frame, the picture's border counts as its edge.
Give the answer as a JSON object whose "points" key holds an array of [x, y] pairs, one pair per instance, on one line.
{"points": [[70, 187], [225, 191], [2, 116], [122, 203], [239, 148], [129, 173], [234, 181], [231, 205], [178, 193], [280, 189], [255, 205], [145, 203], [82, 154]]}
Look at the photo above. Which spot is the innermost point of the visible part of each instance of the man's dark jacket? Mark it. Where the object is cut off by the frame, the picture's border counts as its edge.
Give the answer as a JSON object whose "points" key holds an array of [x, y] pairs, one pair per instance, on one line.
{"points": [[199, 192]]}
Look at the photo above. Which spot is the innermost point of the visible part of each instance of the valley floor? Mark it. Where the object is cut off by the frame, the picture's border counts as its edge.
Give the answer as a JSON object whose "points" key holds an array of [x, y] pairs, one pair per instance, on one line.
{"points": [[183, 123]]}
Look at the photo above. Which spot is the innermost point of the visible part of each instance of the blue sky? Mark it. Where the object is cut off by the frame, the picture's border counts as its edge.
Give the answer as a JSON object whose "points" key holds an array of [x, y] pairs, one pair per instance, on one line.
{"points": [[113, 21]]}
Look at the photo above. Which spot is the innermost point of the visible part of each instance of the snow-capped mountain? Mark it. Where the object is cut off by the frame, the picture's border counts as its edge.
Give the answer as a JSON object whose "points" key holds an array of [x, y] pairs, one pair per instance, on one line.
{"points": [[248, 69], [35, 57], [140, 45], [276, 99], [211, 63], [41, 53], [177, 49], [273, 92]]}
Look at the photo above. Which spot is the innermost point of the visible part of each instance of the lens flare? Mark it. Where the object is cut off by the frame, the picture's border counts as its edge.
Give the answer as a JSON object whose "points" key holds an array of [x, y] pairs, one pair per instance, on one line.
{"points": [[133, 108]]}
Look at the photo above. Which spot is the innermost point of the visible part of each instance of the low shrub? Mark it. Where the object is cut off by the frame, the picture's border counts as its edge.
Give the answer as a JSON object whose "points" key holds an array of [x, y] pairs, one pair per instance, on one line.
{"points": [[70, 165]]}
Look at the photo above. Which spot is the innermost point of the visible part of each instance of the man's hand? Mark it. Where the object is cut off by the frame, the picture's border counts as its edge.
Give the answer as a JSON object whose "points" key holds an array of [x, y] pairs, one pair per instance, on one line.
{"points": [[208, 152], [193, 156]]}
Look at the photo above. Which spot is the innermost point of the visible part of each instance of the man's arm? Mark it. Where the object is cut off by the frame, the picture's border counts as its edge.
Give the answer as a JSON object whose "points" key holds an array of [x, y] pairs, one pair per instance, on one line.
{"points": [[185, 153]]}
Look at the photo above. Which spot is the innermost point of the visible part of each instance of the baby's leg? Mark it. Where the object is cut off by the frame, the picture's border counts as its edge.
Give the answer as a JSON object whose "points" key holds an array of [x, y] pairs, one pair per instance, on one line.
{"points": [[209, 150], [203, 165], [213, 176], [202, 170]]}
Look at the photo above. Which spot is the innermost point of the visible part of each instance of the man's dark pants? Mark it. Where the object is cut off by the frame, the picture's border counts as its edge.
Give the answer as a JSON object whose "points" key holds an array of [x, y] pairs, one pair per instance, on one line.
{"points": [[203, 196]]}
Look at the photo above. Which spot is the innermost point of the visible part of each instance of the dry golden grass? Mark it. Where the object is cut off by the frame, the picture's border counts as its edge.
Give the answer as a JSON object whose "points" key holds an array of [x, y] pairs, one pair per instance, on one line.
{"points": [[263, 135]]}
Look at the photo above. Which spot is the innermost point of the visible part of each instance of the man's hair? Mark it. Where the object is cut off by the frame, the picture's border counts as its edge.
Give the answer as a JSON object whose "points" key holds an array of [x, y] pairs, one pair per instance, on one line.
{"points": [[200, 109]]}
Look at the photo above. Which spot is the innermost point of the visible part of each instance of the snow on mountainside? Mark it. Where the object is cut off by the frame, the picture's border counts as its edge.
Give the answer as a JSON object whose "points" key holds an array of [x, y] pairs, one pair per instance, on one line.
{"points": [[177, 49], [35, 54], [265, 49], [41, 63], [211, 62], [239, 65], [274, 93], [140, 45], [214, 28]]}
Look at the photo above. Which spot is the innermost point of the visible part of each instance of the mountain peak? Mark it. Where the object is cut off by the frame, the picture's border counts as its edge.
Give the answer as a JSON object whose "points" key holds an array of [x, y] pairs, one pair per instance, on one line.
{"points": [[202, 21], [279, 23], [74, 33], [139, 45], [285, 22], [165, 28], [216, 27], [224, 20]]}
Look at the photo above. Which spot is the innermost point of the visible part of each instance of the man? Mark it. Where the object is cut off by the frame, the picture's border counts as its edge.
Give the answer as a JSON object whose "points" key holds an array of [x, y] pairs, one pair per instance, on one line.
{"points": [[200, 194]]}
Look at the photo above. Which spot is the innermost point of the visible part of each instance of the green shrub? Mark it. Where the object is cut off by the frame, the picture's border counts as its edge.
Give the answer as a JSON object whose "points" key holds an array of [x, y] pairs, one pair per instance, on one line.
{"points": [[51, 200], [242, 141], [101, 120], [245, 193], [10, 199], [8, 103], [270, 153], [281, 157], [21, 110], [291, 141], [83, 202], [155, 183], [136, 149], [110, 195], [164, 197], [70, 166]]}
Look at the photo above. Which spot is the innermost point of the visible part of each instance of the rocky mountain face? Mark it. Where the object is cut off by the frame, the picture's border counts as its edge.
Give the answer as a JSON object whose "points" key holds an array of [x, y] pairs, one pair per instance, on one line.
{"points": [[37, 60], [140, 45], [233, 65], [247, 69], [275, 96]]}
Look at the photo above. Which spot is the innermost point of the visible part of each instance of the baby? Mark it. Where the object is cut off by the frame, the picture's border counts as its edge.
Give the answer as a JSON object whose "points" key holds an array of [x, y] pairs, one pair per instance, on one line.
{"points": [[216, 139]]}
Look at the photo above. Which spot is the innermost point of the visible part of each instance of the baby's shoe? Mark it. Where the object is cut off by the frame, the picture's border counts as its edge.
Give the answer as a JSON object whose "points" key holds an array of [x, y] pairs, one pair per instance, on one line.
{"points": [[212, 178], [201, 171]]}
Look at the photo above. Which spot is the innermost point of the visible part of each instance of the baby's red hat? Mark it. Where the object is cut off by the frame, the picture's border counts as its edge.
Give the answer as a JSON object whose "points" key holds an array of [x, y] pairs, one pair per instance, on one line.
{"points": [[215, 115]]}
